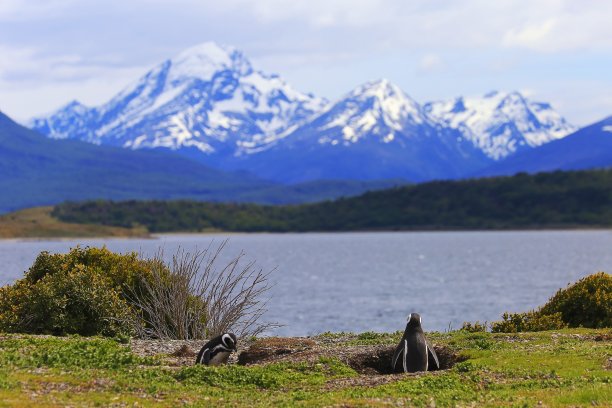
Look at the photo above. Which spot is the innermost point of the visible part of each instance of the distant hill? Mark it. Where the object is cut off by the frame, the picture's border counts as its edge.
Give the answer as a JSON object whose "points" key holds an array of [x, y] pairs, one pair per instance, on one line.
{"points": [[589, 147], [546, 200], [35, 171]]}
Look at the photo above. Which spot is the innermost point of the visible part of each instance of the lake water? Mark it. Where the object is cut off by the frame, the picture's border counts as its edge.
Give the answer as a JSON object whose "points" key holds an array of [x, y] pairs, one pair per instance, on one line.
{"points": [[372, 281]]}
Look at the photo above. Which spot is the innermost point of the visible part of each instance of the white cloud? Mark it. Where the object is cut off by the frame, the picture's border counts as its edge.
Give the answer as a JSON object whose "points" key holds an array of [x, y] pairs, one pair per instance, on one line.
{"points": [[430, 63], [33, 83], [530, 36], [319, 45], [11, 10], [546, 25]]}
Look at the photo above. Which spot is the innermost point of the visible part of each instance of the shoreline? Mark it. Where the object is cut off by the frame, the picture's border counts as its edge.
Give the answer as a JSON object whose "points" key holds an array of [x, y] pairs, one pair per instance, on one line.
{"points": [[155, 236]]}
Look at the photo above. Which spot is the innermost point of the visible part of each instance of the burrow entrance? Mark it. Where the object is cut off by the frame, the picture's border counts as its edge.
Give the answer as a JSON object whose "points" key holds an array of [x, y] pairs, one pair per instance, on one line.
{"points": [[378, 361]]}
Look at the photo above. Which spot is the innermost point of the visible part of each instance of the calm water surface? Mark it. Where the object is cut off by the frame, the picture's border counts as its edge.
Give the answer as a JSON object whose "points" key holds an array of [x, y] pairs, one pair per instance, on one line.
{"points": [[372, 281]]}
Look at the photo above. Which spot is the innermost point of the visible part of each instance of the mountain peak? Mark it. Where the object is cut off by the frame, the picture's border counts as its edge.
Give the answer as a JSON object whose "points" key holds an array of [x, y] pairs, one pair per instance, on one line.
{"points": [[203, 60], [74, 106], [377, 110], [207, 97], [380, 89]]}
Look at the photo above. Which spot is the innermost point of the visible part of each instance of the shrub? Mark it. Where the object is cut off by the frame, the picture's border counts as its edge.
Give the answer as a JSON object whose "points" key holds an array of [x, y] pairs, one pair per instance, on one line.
{"points": [[528, 321], [126, 270], [586, 303], [81, 292]]}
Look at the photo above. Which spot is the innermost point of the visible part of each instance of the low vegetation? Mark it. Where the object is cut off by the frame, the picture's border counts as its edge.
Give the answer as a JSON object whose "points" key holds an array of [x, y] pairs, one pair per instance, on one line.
{"points": [[546, 200], [586, 303], [93, 291], [570, 367]]}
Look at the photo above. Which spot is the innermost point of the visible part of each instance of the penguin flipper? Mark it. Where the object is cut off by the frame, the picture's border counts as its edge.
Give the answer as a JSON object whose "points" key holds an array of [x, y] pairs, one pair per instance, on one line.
{"points": [[401, 349], [431, 352], [203, 356]]}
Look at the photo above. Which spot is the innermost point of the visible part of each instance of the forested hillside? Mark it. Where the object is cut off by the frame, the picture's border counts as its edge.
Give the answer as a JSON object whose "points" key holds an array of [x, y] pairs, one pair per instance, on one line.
{"points": [[547, 200]]}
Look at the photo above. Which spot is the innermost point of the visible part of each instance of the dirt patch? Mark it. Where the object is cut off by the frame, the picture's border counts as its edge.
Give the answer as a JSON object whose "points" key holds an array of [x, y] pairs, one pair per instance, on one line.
{"points": [[366, 360], [272, 347], [184, 351]]}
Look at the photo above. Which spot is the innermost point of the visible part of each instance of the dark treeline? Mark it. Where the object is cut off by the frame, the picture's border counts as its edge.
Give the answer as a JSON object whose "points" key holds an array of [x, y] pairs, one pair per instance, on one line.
{"points": [[547, 200]]}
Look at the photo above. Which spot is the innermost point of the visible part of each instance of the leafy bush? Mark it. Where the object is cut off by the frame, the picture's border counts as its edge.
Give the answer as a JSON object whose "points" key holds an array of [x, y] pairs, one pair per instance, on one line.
{"points": [[528, 321], [586, 303], [81, 292]]}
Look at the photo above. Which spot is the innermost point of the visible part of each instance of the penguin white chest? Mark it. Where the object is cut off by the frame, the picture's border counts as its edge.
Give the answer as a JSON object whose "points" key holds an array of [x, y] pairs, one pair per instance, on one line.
{"points": [[220, 358]]}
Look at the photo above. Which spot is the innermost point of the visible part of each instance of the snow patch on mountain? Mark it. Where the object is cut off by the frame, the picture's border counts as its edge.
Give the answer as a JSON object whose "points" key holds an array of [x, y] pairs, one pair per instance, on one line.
{"points": [[501, 123]]}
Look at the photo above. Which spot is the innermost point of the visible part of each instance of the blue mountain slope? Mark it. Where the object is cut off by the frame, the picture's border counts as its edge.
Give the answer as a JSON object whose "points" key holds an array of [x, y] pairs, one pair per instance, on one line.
{"points": [[35, 170], [589, 147]]}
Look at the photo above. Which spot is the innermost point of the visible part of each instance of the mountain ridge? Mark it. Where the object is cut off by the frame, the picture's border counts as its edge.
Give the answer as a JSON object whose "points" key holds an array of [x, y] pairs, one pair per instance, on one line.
{"points": [[209, 103]]}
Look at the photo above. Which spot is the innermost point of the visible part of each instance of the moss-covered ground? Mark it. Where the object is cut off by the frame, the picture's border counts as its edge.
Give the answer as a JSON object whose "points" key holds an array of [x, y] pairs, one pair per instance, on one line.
{"points": [[560, 368]]}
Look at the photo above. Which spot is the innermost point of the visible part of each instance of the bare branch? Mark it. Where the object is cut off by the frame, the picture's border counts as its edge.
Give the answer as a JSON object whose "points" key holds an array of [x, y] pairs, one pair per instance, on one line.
{"points": [[189, 299]]}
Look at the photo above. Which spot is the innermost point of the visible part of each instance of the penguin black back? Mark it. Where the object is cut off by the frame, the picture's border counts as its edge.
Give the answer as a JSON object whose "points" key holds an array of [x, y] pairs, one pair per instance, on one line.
{"points": [[217, 350], [413, 353]]}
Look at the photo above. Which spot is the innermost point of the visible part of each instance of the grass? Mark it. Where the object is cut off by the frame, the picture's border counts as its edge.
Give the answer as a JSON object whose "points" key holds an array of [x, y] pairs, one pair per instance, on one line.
{"points": [[38, 223], [561, 368]]}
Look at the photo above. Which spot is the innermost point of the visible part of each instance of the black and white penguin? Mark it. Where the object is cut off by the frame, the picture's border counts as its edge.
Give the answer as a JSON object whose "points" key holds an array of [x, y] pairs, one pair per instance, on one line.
{"points": [[217, 350], [414, 353]]}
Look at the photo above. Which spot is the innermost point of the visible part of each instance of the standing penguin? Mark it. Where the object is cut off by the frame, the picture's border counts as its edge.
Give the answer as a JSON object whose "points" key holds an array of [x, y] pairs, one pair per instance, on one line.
{"points": [[414, 351], [217, 350]]}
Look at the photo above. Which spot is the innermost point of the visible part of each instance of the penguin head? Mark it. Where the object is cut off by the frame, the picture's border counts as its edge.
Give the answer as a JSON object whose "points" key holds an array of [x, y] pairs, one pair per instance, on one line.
{"points": [[414, 320], [230, 341]]}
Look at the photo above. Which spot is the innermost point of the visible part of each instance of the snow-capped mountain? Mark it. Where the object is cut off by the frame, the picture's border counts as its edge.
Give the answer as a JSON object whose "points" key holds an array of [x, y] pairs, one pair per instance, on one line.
{"points": [[378, 110], [374, 132], [501, 124], [209, 97], [211, 104]]}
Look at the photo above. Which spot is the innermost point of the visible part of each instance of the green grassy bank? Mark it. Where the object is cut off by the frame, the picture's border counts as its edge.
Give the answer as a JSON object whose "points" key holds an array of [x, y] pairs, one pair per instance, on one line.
{"points": [[569, 367]]}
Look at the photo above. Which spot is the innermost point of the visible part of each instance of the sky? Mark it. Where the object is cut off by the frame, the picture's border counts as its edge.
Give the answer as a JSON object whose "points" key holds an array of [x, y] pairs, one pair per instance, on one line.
{"points": [[557, 51]]}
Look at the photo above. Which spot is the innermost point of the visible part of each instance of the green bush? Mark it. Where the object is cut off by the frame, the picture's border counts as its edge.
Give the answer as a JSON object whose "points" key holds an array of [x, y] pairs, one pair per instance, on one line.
{"points": [[528, 321], [586, 303], [81, 292]]}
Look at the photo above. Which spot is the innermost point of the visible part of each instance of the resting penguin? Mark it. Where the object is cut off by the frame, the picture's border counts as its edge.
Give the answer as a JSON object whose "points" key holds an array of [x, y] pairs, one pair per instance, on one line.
{"points": [[217, 350], [413, 352]]}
